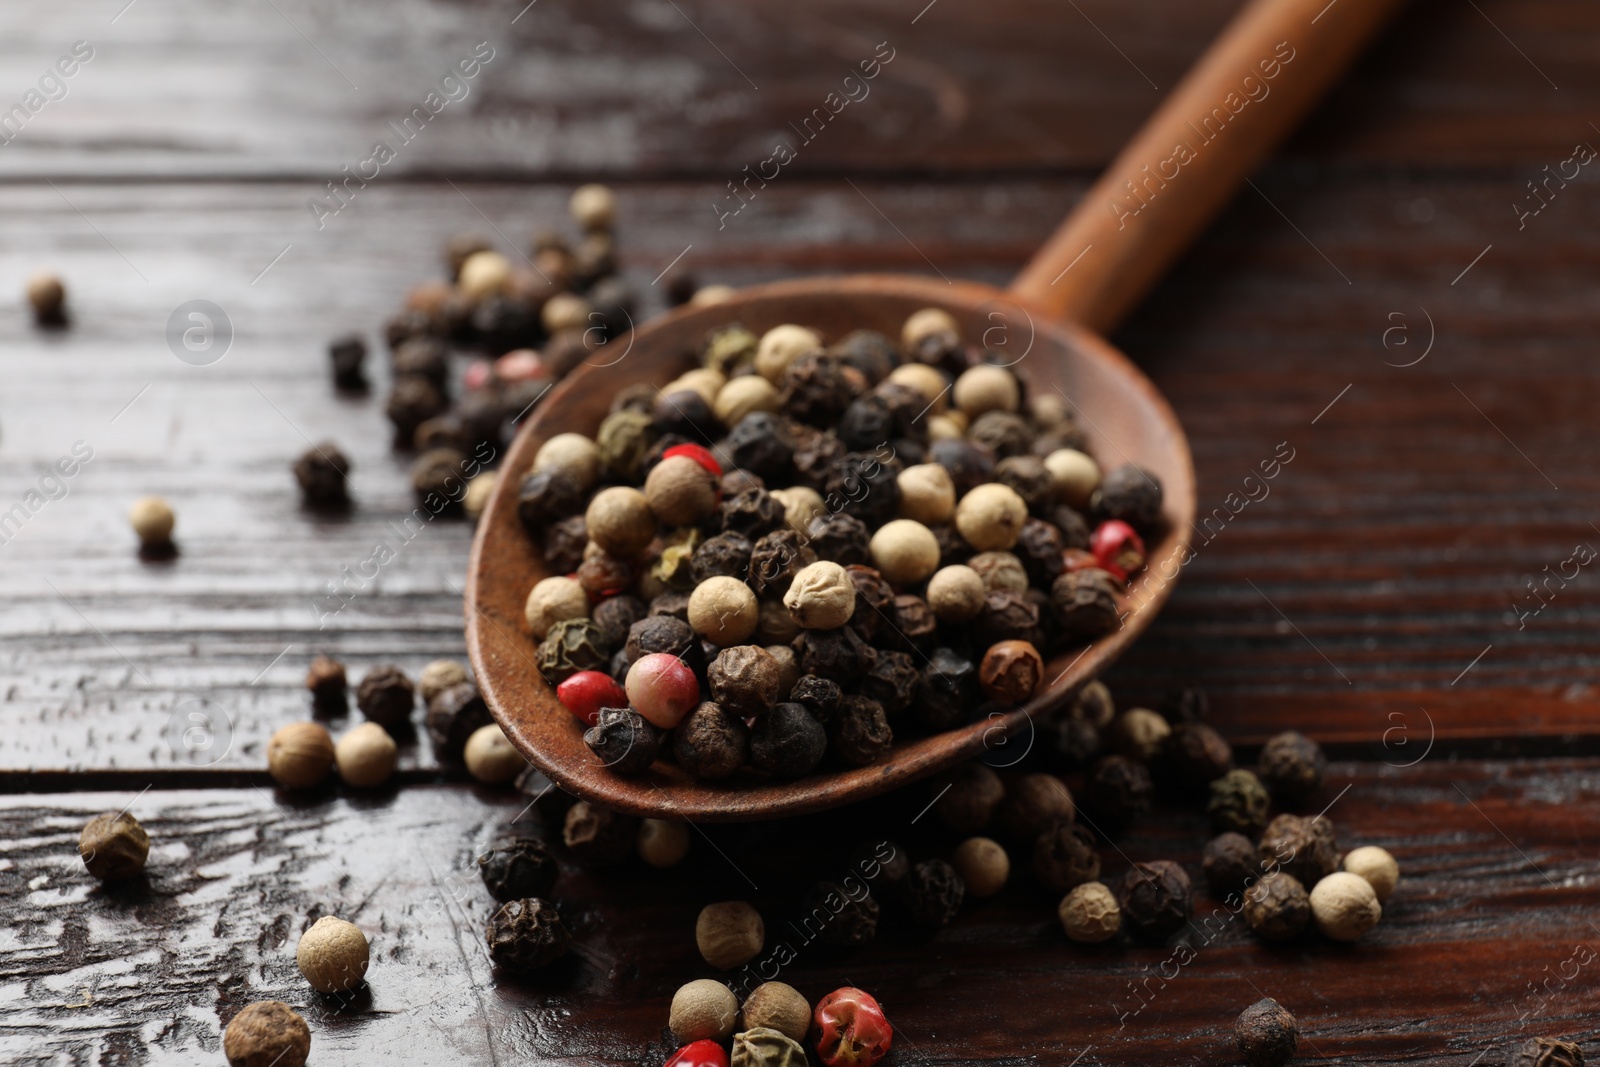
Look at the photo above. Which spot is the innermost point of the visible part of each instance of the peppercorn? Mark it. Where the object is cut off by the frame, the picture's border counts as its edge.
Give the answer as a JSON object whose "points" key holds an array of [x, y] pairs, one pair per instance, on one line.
{"points": [[624, 741], [320, 472], [1267, 1034], [570, 646], [703, 1010], [1230, 863], [518, 867], [932, 893], [325, 678], [1064, 857], [1034, 803], [300, 755], [553, 600], [787, 742], [744, 679], [1547, 1052], [874, 602], [1011, 672], [729, 934], [547, 496], [1085, 605], [332, 955], [1377, 867], [986, 388], [956, 594], [821, 596], [113, 846], [912, 626], [1305, 848], [620, 521], [868, 351], [1345, 906], [904, 551], [865, 485], [1006, 616], [603, 575], [1189, 704], [526, 935], [680, 492], [819, 696], [490, 757], [970, 799], [1195, 755], [860, 732], [852, 917], [745, 395], [412, 402], [1131, 494], [386, 697], [711, 742], [1004, 433], [753, 513], [1238, 801], [891, 681], [347, 354], [598, 835], [267, 1033], [1094, 704], [563, 543], [852, 1030], [662, 688], [839, 655], [1074, 530], [1076, 475], [775, 626], [764, 1047], [1119, 790], [152, 520], [817, 388], [663, 634], [436, 480], [724, 611], [615, 616], [947, 691], [839, 537], [776, 1006], [662, 843], [624, 437], [1277, 907], [1001, 572], [1077, 743], [1291, 766], [1089, 914], [776, 559], [866, 423], [1155, 898]]}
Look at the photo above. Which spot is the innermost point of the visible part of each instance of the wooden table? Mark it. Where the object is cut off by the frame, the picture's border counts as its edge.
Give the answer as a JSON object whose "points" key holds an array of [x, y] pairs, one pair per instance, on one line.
{"points": [[1377, 302]]}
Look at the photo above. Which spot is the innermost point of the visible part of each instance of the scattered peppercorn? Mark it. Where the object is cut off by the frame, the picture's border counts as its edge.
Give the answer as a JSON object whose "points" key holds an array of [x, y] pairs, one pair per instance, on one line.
{"points": [[1547, 1052], [1277, 907], [386, 696], [729, 934], [1267, 1034], [1090, 914], [1305, 848], [1064, 857], [1345, 906], [152, 520], [517, 867], [365, 756], [848, 919], [490, 757], [1291, 767], [1195, 755], [526, 935], [47, 296], [1140, 734], [1033, 804], [113, 846], [765, 1047], [932, 892], [1119, 791], [1238, 802], [300, 755], [325, 678], [267, 1033], [454, 715], [598, 835], [321, 471], [333, 955], [1230, 862], [1155, 898], [777, 1006], [1377, 867]]}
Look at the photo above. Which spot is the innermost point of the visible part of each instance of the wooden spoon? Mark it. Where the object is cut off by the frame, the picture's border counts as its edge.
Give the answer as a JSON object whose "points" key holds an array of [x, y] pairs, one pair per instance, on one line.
{"points": [[1256, 81]]}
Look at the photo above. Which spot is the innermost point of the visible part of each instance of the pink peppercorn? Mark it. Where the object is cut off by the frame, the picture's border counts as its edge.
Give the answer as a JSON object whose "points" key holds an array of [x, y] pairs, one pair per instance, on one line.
{"points": [[697, 453], [586, 692], [851, 1029], [699, 1054], [1117, 547], [521, 365], [477, 374], [662, 688]]}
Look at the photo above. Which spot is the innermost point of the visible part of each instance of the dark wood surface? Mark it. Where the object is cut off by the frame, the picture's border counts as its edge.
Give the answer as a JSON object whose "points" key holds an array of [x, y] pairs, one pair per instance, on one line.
{"points": [[1371, 599]]}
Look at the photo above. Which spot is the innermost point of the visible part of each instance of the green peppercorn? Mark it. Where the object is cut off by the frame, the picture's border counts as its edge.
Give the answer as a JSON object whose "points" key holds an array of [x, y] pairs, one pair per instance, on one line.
{"points": [[1239, 802]]}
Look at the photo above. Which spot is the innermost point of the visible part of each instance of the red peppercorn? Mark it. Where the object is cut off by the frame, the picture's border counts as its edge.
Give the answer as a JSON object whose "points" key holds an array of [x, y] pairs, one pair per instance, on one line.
{"points": [[1117, 547], [699, 1054], [477, 375], [853, 1031], [586, 692], [662, 688], [700, 455], [522, 365]]}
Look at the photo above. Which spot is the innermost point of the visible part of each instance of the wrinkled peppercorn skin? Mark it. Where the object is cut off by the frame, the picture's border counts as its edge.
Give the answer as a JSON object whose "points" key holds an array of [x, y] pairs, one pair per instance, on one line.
{"points": [[526, 935], [624, 741], [860, 733], [1291, 766], [1064, 857], [787, 742], [852, 1030], [1548, 1052], [1305, 848], [387, 697], [1267, 1034], [1156, 899], [454, 714], [517, 868], [1238, 802], [932, 893], [846, 919]]}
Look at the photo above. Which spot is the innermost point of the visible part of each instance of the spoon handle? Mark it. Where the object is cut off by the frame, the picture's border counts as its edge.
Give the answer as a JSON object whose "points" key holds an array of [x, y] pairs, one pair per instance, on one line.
{"points": [[1251, 87]]}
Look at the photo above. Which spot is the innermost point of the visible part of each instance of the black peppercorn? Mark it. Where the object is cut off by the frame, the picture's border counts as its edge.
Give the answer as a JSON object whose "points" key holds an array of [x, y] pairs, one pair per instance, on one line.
{"points": [[454, 714], [615, 616], [597, 835], [686, 413], [672, 604], [1131, 494], [864, 484], [869, 351], [1003, 433], [1031, 479], [1230, 863], [1189, 704], [526, 935], [907, 406], [726, 555], [1007, 616], [774, 561], [562, 544], [839, 537], [874, 610], [1077, 743], [412, 402], [847, 917], [441, 431], [348, 354], [1291, 767], [819, 696], [517, 868], [744, 679], [817, 388], [1119, 791], [1155, 899], [1547, 1052], [664, 633], [867, 423], [947, 691], [815, 456], [1238, 802], [942, 349], [953, 548], [572, 645], [1267, 1034], [711, 742], [1073, 526], [1039, 547], [321, 473], [325, 678], [932, 892], [892, 681], [968, 797], [1085, 604], [1277, 907], [1195, 755], [436, 480], [737, 481], [787, 742], [624, 741], [1064, 857], [753, 513], [412, 322], [838, 655], [547, 496], [761, 444], [1305, 848], [424, 357], [386, 696], [860, 732]]}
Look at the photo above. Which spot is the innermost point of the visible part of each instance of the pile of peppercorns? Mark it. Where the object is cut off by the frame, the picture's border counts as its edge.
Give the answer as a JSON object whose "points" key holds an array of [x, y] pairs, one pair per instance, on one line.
{"points": [[848, 1027], [797, 550]]}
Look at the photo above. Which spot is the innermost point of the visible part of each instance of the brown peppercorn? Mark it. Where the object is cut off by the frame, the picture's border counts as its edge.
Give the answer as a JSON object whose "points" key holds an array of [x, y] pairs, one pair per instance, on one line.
{"points": [[775, 559], [859, 732], [932, 893], [1267, 1034], [624, 741], [412, 402], [842, 538], [726, 555], [1094, 705], [321, 472], [620, 521], [437, 482], [1139, 733], [326, 680], [1291, 767], [1547, 1052], [1120, 790], [603, 575], [1131, 494], [874, 602], [712, 741], [1189, 704], [1195, 755], [847, 917], [597, 835], [1239, 802], [1064, 857], [787, 742], [562, 544], [526, 935], [1000, 571], [300, 755], [1033, 804], [1002, 432], [729, 934], [548, 496], [113, 846], [1011, 672], [515, 868], [1007, 616], [47, 296], [891, 681], [777, 1006], [615, 616], [983, 866], [1155, 898], [1077, 743], [1085, 604], [1305, 848], [838, 655], [1029, 478], [1230, 862], [680, 492], [386, 696], [819, 696], [1277, 907], [967, 799], [744, 679], [267, 1033]]}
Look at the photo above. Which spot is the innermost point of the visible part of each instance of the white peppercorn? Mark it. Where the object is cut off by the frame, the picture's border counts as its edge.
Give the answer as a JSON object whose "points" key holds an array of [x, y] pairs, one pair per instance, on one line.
{"points": [[491, 758], [781, 346], [986, 388], [662, 842], [924, 323], [821, 597], [572, 454], [800, 505], [594, 207], [152, 519], [927, 494], [703, 1010], [552, 600], [743, 395], [1089, 914], [982, 864], [1345, 906], [484, 274], [904, 551], [479, 490], [934, 387], [366, 756], [679, 492], [1076, 475], [724, 611], [956, 593], [991, 516], [729, 934], [300, 755], [565, 312], [333, 955], [1377, 866], [620, 521]]}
